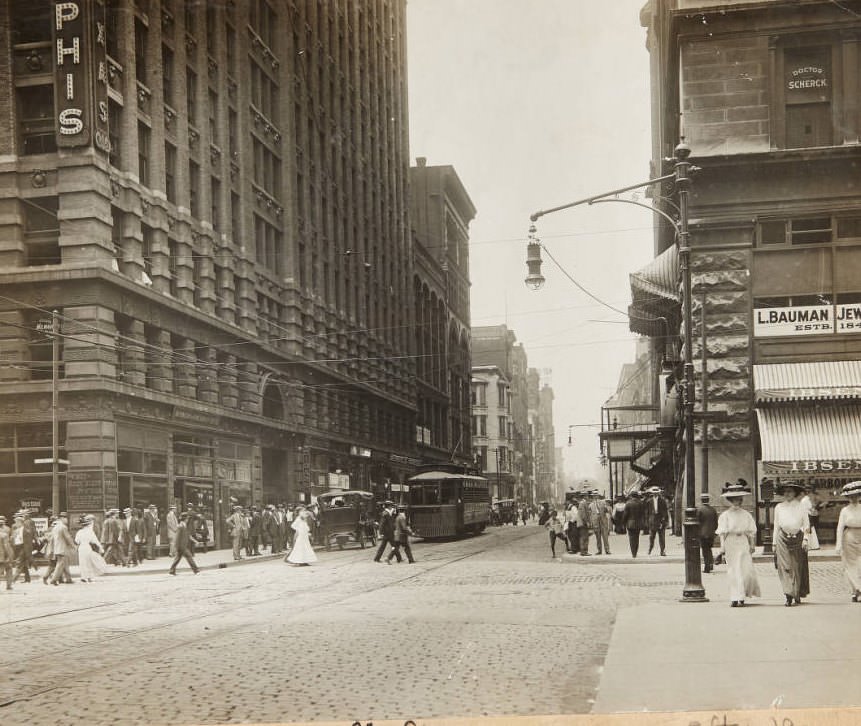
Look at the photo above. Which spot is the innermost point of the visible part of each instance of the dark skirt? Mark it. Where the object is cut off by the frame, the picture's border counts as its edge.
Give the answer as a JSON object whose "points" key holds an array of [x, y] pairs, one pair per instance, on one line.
{"points": [[791, 562]]}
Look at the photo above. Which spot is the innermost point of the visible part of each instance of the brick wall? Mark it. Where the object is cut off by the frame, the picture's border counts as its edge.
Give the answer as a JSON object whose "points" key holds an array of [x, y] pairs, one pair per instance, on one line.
{"points": [[725, 96]]}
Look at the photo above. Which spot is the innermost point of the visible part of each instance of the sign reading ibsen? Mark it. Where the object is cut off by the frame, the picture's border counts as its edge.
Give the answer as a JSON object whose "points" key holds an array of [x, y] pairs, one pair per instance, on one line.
{"points": [[813, 466]]}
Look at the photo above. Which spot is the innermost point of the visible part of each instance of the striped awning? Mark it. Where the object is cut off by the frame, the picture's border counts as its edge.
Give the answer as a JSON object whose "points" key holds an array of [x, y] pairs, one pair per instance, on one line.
{"points": [[798, 440], [658, 278], [834, 380]]}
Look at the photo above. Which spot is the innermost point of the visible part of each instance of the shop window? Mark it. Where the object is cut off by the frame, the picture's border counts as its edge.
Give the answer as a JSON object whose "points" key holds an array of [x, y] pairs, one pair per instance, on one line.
{"points": [[36, 120]]}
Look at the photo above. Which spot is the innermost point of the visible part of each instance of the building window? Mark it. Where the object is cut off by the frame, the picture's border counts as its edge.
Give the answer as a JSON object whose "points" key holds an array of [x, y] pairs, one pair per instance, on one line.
{"points": [[500, 393], [42, 231], [799, 231], [167, 74], [215, 201], [147, 244], [170, 172], [191, 96], [503, 428], [36, 120], [194, 188], [173, 265], [807, 91], [480, 425], [143, 153], [140, 51], [115, 119], [31, 21], [40, 345]]}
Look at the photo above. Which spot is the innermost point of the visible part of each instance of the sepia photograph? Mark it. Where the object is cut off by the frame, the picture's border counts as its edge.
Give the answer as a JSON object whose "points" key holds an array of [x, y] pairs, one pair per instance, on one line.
{"points": [[423, 362]]}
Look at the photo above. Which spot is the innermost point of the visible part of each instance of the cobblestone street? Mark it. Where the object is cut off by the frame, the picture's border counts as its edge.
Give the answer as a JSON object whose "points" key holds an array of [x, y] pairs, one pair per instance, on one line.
{"points": [[484, 626]]}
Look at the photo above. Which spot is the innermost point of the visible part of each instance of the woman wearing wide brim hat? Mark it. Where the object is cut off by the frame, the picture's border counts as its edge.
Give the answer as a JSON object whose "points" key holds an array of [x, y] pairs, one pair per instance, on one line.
{"points": [[849, 537], [737, 531], [791, 537]]}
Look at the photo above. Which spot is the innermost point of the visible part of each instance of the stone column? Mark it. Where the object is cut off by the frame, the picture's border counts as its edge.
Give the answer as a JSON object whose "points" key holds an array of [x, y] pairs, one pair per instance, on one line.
{"points": [[185, 369], [88, 348]]}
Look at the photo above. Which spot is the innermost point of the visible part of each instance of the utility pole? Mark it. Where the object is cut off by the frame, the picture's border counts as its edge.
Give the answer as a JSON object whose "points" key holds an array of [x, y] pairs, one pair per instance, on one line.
{"points": [[55, 433]]}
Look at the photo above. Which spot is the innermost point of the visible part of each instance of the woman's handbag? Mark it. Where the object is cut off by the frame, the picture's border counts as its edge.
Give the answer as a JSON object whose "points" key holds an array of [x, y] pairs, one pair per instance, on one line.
{"points": [[94, 547]]}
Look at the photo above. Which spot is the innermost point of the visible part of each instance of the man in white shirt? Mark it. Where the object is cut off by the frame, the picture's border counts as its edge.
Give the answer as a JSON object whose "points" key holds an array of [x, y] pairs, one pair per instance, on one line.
{"points": [[172, 522]]}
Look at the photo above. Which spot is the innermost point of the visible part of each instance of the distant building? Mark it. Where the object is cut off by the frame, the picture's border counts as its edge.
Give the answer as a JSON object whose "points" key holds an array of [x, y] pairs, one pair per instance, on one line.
{"points": [[492, 427], [441, 213]]}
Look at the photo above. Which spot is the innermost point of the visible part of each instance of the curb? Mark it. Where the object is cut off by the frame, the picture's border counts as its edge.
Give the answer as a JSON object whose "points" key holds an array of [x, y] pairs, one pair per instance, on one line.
{"points": [[134, 571], [595, 559]]}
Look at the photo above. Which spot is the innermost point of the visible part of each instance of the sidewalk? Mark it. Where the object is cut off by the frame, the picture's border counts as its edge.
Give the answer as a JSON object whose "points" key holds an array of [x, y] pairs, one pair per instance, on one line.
{"points": [[708, 656], [211, 560], [621, 553]]}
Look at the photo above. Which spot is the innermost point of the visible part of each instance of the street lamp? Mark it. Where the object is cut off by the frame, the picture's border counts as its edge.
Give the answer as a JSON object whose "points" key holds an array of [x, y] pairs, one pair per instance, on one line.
{"points": [[693, 590]]}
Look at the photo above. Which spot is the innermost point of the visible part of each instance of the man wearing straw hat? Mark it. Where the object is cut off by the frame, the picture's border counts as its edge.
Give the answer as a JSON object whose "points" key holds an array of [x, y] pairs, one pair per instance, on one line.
{"points": [[658, 516]]}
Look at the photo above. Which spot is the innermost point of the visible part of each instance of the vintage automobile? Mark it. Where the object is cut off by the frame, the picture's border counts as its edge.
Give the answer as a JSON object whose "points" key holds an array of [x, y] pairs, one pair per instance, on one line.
{"points": [[504, 511], [345, 516]]}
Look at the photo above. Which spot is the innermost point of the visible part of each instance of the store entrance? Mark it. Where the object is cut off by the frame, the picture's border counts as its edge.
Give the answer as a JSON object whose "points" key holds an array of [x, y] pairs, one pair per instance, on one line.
{"points": [[201, 495]]}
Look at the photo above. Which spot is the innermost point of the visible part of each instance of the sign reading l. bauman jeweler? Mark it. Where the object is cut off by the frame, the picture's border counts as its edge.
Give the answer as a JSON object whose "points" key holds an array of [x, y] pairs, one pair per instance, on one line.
{"points": [[807, 320], [795, 320]]}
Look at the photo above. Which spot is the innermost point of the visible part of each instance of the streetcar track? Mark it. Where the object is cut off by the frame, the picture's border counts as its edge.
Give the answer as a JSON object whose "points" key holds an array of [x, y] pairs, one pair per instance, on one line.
{"points": [[198, 638]]}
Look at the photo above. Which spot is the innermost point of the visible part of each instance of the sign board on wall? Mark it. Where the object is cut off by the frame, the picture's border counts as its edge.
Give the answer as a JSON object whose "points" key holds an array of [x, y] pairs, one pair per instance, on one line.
{"points": [[85, 491], [795, 320], [80, 59]]}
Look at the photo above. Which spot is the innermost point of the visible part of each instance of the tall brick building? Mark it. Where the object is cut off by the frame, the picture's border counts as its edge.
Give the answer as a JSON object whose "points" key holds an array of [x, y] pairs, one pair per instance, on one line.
{"points": [[213, 197], [768, 96], [441, 213]]}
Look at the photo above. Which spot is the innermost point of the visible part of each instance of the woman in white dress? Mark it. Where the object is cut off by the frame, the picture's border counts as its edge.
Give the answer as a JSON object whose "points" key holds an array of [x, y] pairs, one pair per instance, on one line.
{"points": [[302, 552], [737, 531], [849, 537], [791, 539], [89, 551]]}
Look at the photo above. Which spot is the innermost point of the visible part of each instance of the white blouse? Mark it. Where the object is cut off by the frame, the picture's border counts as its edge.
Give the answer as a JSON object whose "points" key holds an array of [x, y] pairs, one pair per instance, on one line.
{"points": [[850, 516], [791, 517]]}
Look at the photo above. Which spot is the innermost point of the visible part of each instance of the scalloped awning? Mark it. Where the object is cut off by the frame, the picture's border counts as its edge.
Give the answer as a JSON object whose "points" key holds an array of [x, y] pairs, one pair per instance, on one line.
{"points": [[808, 440], [819, 381], [659, 277]]}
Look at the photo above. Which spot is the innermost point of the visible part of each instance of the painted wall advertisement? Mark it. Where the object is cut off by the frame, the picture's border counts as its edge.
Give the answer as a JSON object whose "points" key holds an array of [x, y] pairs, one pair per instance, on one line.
{"points": [[807, 320]]}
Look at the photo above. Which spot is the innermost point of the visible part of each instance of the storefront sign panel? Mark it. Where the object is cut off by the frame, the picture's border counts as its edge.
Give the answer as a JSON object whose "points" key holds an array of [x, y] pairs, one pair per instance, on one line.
{"points": [[85, 491], [847, 317], [795, 320], [812, 467]]}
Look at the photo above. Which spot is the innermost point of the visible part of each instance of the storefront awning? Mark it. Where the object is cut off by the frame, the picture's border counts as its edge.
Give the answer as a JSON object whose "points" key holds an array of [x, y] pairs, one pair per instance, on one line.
{"points": [[826, 380], [658, 278], [804, 441]]}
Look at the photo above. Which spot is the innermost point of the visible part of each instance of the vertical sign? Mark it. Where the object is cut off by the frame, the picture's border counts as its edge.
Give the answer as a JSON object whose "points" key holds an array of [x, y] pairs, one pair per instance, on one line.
{"points": [[101, 137], [72, 93], [80, 58]]}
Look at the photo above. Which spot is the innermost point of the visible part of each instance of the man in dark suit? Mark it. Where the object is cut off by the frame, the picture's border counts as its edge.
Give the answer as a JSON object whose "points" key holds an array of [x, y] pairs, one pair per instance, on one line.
{"points": [[657, 516], [151, 523], [136, 538], [255, 530], [268, 527], [631, 517], [707, 517], [184, 542], [23, 537], [387, 531]]}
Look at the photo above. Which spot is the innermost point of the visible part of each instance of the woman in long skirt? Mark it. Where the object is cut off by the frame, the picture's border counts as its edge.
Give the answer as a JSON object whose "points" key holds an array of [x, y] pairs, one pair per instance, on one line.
{"points": [[89, 551], [849, 537], [737, 532], [302, 552], [791, 536]]}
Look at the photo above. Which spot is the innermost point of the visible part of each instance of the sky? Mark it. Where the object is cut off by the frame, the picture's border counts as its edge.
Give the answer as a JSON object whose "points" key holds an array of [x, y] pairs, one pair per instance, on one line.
{"points": [[537, 103]]}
